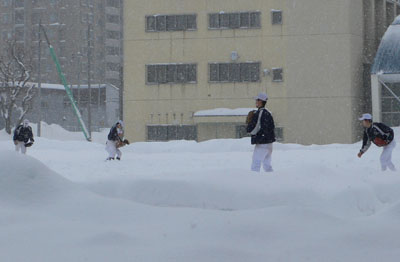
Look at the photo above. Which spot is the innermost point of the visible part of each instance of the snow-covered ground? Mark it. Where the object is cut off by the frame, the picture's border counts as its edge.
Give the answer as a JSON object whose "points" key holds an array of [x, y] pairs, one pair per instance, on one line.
{"points": [[187, 201]]}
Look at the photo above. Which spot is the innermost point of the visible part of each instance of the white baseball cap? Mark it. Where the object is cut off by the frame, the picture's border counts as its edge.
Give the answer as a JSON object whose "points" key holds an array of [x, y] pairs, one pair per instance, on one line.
{"points": [[121, 123], [366, 117], [262, 97]]}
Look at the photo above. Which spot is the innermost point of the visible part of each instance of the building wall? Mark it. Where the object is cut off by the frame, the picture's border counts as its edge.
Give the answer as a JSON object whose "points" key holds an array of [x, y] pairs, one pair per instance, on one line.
{"points": [[320, 47]]}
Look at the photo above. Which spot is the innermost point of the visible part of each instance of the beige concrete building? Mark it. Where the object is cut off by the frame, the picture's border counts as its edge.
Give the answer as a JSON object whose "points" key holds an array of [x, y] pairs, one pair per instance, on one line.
{"points": [[312, 57]]}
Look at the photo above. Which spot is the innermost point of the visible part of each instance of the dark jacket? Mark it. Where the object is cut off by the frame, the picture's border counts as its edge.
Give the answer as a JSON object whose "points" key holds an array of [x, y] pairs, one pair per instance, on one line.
{"points": [[23, 134], [266, 134], [113, 135], [377, 130]]}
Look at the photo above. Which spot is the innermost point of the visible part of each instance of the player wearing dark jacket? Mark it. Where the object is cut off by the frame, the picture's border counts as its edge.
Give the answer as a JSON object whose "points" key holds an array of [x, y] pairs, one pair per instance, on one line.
{"points": [[115, 138], [382, 136], [23, 137], [113, 134], [262, 129], [266, 132]]}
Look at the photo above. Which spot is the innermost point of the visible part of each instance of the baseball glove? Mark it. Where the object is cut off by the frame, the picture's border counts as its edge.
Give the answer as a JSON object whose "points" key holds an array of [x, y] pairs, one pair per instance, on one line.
{"points": [[29, 144], [250, 116], [380, 142], [122, 143]]}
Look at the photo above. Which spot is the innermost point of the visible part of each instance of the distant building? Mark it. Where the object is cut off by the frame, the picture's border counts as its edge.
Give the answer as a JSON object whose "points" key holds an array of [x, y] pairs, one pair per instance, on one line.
{"points": [[386, 78], [66, 23], [313, 58], [56, 106]]}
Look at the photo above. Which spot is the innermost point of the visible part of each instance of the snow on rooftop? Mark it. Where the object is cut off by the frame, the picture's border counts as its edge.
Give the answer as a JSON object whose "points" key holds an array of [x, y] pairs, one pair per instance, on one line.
{"points": [[61, 87], [224, 112]]}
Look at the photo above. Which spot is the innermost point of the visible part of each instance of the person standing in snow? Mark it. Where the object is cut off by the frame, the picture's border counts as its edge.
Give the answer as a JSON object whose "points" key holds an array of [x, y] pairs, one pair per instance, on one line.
{"points": [[382, 136], [23, 137], [260, 124], [115, 141]]}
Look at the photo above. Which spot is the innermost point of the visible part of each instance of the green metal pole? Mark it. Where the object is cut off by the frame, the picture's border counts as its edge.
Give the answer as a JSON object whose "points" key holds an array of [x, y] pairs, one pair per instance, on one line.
{"points": [[67, 89]]}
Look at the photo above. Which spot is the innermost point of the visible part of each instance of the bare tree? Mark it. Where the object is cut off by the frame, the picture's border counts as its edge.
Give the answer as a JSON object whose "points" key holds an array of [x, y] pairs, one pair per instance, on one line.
{"points": [[16, 93]]}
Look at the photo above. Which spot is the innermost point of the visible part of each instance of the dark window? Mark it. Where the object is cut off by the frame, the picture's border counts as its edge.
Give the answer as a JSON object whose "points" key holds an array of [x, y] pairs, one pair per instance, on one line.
{"points": [[181, 22], [255, 20], [150, 23], [192, 73], [171, 73], [234, 72], [112, 34], [276, 17], [162, 74], [224, 20], [214, 73], [171, 132], [191, 22], [19, 33], [245, 20], [277, 74], [113, 67], [152, 74], [113, 3], [19, 17], [161, 23], [112, 50], [234, 20], [181, 73], [244, 72], [19, 3], [224, 72], [213, 20], [113, 19], [254, 72], [171, 23]]}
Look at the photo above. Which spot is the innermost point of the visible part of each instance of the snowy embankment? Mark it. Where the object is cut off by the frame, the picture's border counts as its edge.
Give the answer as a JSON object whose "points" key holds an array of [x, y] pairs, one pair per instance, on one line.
{"points": [[187, 201]]}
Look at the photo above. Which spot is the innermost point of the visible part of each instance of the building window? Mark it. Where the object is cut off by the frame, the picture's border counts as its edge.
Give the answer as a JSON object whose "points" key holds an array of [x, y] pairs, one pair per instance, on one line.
{"points": [[110, 50], [113, 3], [276, 17], [234, 20], [6, 2], [113, 67], [19, 33], [113, 19], [35, 18], [171, 74], [277, 74], [390, 105], [19, 3], [113, 34], [162, 23], [53, 18], [171, 132], [5, 18], [234, 72], [19, 17], [6, 34]]}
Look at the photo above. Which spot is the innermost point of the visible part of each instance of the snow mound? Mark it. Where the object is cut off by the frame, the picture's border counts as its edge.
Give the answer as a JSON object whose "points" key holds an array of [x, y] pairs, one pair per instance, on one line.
{"points": [[24, 180]]}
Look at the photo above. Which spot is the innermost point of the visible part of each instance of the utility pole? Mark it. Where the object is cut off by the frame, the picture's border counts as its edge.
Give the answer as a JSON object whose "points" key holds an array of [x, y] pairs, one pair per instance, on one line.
{"points": [[89, 53], [39, 129]]}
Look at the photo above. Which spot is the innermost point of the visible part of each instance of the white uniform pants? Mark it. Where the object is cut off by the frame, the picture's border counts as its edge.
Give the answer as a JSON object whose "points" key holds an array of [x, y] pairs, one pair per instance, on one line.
{"points": [[386, 157], [262, 155], [112, 149], [20, 146]]}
